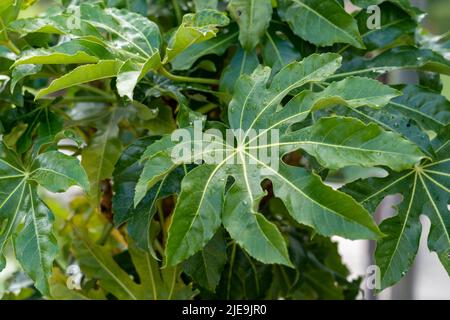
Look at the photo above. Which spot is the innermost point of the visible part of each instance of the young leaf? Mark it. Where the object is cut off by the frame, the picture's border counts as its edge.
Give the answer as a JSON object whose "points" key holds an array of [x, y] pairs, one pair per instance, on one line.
{"points": [[395, 26], [195, 28], [217, 46], [130, 74], [70, 52]]}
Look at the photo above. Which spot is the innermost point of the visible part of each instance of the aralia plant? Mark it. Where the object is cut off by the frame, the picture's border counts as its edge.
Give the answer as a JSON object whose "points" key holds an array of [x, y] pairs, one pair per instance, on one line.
{"points": [[91, 92]]}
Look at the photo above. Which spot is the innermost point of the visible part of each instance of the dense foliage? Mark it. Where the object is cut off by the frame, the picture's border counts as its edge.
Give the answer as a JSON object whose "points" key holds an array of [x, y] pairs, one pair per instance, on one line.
{"points": [[92, 90]]}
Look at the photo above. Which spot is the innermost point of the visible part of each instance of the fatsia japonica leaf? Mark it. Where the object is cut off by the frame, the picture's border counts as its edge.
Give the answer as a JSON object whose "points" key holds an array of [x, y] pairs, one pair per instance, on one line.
{"points": [[403, 57], [74, 51], [21, 72], [417, 110], [102, 153], [196, 217], [334, 143], [207, 149], [126, 173], [395, 26], [35, 244], [403, 4], [131, 73], [207, 265], [352, 92], [428, 108], [155, 283], [195, 28], [129, 51], [322, 23], [86, 73], [190, 55], [253, 18], [278, 52], [242, 62], [425, 190], [204, 189]]}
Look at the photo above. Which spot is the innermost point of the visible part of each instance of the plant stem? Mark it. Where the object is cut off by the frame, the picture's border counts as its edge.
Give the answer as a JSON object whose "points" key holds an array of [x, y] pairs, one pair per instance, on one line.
{"points": [[93, 90], [8, 43], [161, 220], [206, 108], [105, 233], [230, 272], [89, 99], [178, 13], [11, 46], [174, 77]]}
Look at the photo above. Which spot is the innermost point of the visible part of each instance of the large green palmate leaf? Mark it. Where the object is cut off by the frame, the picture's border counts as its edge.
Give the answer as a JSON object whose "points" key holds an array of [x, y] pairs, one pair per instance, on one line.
{"points": [[209, 152], [425, 190], [322, 23], [35, 244], [253, 18], [154, 283], [228, 190]]}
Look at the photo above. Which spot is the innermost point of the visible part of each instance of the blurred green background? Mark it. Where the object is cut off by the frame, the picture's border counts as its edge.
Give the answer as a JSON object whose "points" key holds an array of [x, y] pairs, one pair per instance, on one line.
{"points": [[438, 22]]}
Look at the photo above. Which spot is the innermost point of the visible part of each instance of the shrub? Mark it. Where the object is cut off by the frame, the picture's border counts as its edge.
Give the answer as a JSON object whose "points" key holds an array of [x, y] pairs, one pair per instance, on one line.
{"points": [[103, 95]]}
